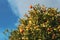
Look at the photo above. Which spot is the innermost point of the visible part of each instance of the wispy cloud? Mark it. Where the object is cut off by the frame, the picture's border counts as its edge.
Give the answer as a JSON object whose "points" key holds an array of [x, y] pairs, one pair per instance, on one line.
{"points": [[20, 7]]}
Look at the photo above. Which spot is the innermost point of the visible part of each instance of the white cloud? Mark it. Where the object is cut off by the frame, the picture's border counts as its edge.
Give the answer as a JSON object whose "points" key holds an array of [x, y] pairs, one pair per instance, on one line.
{"points": [[20, 7]]}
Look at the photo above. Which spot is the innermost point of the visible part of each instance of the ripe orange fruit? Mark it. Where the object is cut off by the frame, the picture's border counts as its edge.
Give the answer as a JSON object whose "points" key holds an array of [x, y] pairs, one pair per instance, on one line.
{"points": [[21, 30], [30, 6]]}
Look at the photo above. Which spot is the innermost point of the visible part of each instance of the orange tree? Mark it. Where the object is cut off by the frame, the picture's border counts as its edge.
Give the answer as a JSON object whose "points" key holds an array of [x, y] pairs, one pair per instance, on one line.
{"points": [[40, 23]]}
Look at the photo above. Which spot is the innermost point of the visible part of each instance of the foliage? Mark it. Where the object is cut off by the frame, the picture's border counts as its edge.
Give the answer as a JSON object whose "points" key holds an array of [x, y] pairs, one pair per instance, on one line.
{"points": [[40, 23]]}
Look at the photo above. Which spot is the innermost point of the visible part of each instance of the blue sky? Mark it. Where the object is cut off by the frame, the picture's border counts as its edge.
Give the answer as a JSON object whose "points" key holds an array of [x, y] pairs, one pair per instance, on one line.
{"points": [[12, 10], [7, 18]]}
